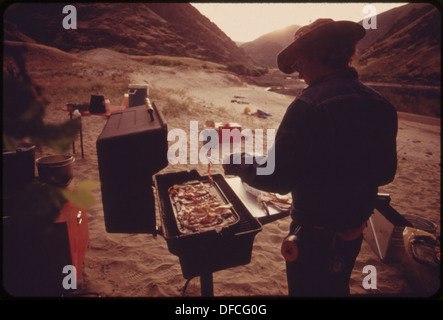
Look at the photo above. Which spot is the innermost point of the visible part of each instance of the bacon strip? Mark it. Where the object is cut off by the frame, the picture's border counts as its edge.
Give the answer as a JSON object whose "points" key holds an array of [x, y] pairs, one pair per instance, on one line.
{"points": [[197, 208], [209, 173]]}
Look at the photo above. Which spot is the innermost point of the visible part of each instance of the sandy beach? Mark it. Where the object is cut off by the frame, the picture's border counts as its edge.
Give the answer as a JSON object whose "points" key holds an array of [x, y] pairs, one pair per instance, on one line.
{"points": [[140, 265]]}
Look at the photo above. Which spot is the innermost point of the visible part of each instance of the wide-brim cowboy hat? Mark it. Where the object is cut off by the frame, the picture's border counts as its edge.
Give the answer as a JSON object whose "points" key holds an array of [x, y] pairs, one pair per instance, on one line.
{"points": [[316, 32]]}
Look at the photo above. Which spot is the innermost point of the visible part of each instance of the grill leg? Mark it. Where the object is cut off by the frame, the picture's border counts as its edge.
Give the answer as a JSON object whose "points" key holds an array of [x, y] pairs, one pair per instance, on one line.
{"points": [[207, 285]]}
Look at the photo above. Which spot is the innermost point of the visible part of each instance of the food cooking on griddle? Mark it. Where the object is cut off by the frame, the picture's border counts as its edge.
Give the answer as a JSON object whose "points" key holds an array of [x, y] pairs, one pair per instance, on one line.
{"points": [[281, 202], [198, 207]]}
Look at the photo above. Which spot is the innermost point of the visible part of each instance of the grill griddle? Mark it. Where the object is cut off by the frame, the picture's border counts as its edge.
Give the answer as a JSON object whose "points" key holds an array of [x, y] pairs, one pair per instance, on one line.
{"points": [[205, 252], [213, 189]]}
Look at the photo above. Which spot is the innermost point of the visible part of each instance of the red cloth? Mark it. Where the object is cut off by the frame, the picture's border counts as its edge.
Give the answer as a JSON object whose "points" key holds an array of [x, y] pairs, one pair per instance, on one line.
{"points": [[107, 113]]}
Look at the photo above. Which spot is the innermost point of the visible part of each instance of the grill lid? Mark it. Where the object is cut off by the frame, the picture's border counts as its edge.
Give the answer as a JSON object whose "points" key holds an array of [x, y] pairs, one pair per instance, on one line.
{"points": [[130, 150]]}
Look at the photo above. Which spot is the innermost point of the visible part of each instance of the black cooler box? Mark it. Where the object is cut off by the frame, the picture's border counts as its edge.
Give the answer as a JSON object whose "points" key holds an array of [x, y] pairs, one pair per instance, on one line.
{"points": [[97, 104], [131, 149], [137, 94]]}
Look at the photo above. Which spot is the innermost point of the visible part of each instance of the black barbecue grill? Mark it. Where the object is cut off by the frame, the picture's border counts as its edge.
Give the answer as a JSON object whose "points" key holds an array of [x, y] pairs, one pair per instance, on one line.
{"points": [[205, 252], [131, 149]]}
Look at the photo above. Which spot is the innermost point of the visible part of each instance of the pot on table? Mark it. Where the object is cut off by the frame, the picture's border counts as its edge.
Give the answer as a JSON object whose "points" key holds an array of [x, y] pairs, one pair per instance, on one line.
{"points": [[56, 169]]}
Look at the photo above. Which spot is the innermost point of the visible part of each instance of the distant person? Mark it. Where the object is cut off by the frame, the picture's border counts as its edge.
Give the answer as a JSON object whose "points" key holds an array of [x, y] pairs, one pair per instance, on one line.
{"points": [[335, 146]]}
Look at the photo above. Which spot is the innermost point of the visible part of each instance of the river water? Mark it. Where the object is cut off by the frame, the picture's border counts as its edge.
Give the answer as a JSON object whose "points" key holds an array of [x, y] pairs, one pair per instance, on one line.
{"points": [[416, 99]]}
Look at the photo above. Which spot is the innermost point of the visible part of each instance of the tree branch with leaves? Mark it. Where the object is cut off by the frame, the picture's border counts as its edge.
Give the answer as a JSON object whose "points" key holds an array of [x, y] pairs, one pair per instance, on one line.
{"points": [[24, 107]]}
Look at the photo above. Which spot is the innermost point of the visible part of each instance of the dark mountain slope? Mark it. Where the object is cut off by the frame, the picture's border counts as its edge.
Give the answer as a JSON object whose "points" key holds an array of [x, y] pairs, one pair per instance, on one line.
{"points": [[264, 49], [410, 52], [405, 47], [176, 29]]}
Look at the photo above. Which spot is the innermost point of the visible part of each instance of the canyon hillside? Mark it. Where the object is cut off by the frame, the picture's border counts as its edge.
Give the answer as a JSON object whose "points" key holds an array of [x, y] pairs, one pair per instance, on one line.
{"points": [[405, 47], [138, 28]]}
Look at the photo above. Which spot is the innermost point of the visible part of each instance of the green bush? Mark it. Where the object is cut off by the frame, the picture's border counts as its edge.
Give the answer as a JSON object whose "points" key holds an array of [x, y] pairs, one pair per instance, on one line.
{"points": [[166, 63], [244, 70]]}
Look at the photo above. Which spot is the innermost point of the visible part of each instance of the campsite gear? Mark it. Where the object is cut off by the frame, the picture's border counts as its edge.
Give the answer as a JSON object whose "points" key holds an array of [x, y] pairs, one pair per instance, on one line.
{"points": [[107, 105], [56, 169], [78, 110], [130, 150], [421, 262], [210, 123], [78, 114], [18, 167], [97, 104], [229, 133], [263, 114], [82, 107], [289, 248], [317, 32], [256, 193], [137, 94], [384, 231], [126, 100], [127, 165], [149, 108], [46, 250], [421, 223], [205, 252]]}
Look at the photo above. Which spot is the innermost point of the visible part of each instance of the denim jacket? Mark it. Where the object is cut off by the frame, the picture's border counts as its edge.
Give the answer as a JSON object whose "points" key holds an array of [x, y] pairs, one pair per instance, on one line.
{"points": [[334, 147]]}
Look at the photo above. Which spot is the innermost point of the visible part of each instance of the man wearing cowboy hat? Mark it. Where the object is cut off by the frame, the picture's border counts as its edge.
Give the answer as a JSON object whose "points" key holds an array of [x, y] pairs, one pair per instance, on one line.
{"points": [[334, 147]]}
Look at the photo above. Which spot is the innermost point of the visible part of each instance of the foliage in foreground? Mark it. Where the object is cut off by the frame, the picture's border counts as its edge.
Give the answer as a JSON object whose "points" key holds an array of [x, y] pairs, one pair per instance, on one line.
{"points": [[23, 121]]}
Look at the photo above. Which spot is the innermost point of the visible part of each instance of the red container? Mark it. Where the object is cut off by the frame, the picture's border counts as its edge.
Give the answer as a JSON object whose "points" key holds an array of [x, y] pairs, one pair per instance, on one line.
{"points": [[232, 133]]}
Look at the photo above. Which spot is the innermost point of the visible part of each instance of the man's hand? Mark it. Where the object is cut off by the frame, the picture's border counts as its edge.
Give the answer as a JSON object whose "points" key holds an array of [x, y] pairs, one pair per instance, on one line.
{"points": [[235, 164]]}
